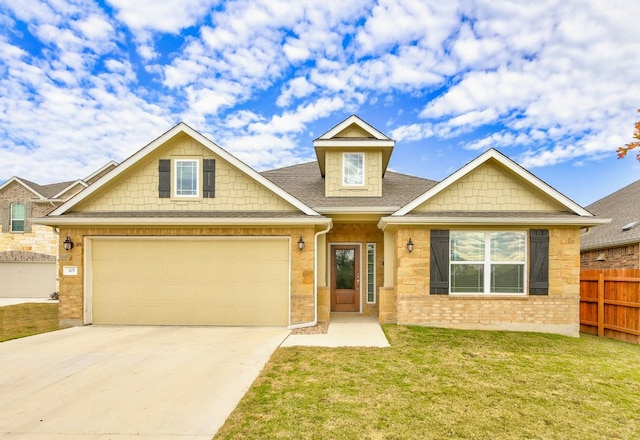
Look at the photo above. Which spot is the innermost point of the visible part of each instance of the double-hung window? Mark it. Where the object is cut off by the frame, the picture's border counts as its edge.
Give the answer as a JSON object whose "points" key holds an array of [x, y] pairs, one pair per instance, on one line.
{"points": [[18, 217], [487, 262], [353, 169], [186, 182]]}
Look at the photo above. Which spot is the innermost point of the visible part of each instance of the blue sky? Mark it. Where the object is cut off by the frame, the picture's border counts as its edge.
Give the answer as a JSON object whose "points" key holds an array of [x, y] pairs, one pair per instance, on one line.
{"points": [[551, 84]]}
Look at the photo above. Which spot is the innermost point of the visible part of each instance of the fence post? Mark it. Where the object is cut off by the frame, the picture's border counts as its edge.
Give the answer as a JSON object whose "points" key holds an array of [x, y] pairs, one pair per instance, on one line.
{"points": [[601, 304]]}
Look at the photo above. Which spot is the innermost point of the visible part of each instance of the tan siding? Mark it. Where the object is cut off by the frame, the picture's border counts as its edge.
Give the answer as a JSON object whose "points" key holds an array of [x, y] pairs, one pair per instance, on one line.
{"points": [[137, 190], [373, 175], [490, 187]]}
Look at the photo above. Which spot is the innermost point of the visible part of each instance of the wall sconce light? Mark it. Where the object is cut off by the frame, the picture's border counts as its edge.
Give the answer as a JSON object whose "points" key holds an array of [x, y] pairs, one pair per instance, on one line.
{"points": [[301, 243], [410, 245], [67, 244], [601, 257]]}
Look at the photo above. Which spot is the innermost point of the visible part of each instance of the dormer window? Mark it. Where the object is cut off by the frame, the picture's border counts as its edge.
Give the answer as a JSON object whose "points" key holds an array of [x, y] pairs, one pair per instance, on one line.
{"points": [[353, 169]]}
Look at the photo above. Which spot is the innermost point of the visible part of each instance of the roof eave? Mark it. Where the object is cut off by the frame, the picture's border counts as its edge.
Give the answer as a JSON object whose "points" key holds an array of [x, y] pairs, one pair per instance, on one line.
{"points": [[178, 221], [490, 221]]}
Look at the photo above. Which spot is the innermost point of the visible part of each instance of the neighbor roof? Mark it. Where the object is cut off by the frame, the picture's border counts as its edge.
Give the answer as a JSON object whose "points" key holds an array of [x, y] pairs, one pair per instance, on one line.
{"points": [[623, 207], [41, 191]]}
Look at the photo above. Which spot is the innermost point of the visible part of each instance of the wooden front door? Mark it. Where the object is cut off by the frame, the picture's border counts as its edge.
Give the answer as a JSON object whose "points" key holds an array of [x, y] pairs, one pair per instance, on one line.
{"points": [[345, 278]]}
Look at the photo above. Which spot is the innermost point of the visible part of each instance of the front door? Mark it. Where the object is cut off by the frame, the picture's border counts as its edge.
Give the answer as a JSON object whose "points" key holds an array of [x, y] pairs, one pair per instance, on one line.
{"points": [[345, 278]]}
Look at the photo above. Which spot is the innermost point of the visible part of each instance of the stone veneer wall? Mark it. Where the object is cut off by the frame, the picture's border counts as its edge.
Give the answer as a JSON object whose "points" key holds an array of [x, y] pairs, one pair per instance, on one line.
{"points": [[558, 312], [71, 307], [41, 239], [620, 257]]}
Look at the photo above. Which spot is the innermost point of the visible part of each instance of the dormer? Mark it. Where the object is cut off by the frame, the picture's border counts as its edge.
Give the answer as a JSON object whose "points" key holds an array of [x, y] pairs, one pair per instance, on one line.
{"points": [[353, 158]]}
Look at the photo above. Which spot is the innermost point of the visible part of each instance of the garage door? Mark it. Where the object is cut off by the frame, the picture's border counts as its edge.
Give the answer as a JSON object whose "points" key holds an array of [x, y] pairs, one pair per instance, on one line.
{"points": [[221, 281], [27, 279]]}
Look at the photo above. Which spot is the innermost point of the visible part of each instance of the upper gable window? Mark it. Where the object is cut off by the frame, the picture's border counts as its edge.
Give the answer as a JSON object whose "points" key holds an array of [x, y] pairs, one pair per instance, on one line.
{"points": [[186, 178], [353, 169], [18, 217]]}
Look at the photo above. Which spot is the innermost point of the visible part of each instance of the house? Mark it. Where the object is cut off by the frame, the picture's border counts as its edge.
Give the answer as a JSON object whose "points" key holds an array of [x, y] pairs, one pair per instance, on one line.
{"points": [[614, 245], [182, 232], [28, 252]]}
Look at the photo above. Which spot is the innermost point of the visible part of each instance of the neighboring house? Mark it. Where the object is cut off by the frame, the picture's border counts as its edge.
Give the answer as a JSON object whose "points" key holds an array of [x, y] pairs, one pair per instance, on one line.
{"points": [[615, 245], [28, 252], [184, 233]]}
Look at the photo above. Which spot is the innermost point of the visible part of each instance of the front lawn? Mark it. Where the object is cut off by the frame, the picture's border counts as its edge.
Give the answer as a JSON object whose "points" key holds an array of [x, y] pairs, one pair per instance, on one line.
{"points": [[27, 319], [436, 383]]}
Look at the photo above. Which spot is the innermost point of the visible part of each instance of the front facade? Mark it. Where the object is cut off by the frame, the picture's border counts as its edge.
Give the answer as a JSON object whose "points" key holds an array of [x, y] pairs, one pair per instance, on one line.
{"points": [[184, 233]]}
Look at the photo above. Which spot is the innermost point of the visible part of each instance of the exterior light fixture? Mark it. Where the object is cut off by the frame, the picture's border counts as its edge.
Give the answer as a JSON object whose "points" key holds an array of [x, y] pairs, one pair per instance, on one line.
{"points": [[301, 243], [67, 244], [410, 245]]}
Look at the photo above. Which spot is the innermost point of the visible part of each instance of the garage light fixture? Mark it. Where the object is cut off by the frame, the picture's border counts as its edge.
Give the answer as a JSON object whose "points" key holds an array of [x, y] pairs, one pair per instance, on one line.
{"points": [[410, 245], [301, 243], [67, 244]]}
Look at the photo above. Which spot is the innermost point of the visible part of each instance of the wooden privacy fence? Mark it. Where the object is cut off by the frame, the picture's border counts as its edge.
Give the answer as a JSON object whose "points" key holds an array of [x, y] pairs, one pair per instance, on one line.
{"points": [[610, 303]]}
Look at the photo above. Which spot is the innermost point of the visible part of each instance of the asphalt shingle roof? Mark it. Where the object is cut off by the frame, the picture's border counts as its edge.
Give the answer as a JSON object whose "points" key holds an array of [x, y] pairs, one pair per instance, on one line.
{"points": [[305, 183], [623, 207]]}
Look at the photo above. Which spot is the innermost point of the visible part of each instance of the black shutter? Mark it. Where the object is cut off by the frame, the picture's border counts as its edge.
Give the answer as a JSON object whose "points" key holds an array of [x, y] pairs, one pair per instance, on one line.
{"points": [[439, 262], [539, 262], [209, 178], [164, 181], [5, 216]]}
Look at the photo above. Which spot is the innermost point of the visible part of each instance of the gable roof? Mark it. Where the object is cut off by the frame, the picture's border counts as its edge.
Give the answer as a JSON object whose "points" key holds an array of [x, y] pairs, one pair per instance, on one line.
{"points": [[305, 182], [44, 192], [495, 155], [623, 206], [159, 142], [338, 137]]}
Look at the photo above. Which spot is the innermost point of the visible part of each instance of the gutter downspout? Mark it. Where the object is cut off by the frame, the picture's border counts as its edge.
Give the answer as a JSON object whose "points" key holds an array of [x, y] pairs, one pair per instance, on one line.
{"points": [[315, 281]]}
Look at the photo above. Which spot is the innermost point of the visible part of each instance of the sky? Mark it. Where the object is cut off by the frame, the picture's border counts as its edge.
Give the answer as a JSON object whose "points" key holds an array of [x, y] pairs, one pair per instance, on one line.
{"points": [[554, 85]]}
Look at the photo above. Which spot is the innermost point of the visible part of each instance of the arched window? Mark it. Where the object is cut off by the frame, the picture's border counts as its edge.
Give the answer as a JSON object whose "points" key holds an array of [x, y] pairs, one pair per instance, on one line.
{"points": [[17, 217]]}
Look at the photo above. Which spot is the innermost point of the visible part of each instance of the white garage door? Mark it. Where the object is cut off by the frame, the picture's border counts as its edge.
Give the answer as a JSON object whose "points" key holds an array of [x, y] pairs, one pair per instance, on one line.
{"points": [[218, 281], [27, 279]]}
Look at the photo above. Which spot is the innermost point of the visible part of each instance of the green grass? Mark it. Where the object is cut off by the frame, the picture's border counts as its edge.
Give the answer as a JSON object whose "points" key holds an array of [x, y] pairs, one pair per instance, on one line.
{"points": [[27, 319], [436, 383]]}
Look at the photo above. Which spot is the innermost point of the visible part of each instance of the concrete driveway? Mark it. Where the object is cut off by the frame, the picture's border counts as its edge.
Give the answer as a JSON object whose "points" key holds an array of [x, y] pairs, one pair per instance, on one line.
{"points": [[100, 382]]}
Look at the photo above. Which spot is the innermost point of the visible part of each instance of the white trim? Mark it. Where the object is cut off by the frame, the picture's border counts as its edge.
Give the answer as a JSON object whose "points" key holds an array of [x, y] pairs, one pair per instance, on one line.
{"points": [[508, 163], [160, 141], [357, 209], [354, 142], [375, 284], [363, 171], [484, 221], [77, 182], [111, 163], [353, 119], [177, 221], [198, 177], [487, 264]]}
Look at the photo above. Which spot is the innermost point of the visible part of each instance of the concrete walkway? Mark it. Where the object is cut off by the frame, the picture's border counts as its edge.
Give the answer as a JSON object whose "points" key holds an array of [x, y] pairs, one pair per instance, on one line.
{"points": [[345, 330]]}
